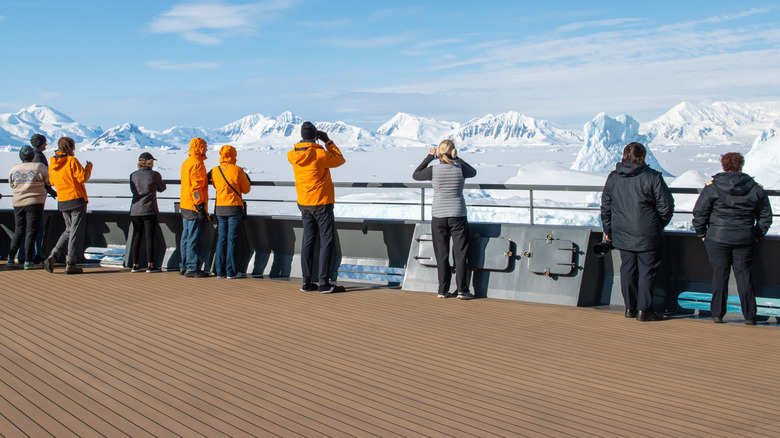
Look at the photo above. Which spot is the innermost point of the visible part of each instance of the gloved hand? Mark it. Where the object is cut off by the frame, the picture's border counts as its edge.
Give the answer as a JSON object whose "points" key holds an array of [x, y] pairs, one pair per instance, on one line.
{"points": [[51, 191], [322, 135], [202, 215]]}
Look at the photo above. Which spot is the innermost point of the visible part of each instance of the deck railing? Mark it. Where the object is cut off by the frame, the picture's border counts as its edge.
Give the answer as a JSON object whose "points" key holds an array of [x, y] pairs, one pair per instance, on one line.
{"points": [[532, 206]]}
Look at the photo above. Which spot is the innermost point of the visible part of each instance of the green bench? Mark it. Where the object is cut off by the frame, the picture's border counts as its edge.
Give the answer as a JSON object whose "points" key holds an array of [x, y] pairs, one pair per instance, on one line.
{"points": [[701, 301]]}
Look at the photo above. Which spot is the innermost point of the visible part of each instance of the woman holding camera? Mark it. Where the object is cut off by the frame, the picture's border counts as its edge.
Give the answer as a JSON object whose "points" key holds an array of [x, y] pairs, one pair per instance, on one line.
{"points": [[448, 215], [636, 205]]}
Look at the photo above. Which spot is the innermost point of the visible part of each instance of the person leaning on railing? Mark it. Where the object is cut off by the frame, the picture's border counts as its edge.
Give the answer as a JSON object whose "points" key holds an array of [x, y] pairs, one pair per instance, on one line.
{"points": [[144, 185], [68, 176], [230, 182], [730, 215], [448, 215], [194, 208], [28, 181]]}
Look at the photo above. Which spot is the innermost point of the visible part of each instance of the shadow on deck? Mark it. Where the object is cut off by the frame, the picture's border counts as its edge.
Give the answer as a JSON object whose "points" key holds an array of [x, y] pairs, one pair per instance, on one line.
{"points": [[113, 353]]}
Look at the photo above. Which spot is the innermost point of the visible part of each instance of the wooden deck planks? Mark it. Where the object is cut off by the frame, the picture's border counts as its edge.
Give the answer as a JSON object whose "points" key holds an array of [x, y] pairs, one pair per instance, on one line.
{"points": [[110, 353]]}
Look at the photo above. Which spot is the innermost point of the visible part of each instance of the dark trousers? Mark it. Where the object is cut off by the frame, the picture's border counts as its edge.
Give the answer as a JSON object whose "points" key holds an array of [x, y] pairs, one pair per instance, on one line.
{"points": [[442, 228], [320, 224], [637, 277], [722, 258], [27, 222], [144, 227]]}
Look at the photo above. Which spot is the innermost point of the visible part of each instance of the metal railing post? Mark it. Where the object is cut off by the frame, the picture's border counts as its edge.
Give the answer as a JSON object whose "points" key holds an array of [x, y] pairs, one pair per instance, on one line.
{"points": [[422, 203], [531, 204]]}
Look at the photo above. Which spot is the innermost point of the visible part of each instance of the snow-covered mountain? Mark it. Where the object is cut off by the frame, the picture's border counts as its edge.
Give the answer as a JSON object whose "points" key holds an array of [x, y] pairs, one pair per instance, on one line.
{"points": [[718, 123], [605, 139], [512, 128], [762, 162], [418, 129], [17, 128], [711, 123]]}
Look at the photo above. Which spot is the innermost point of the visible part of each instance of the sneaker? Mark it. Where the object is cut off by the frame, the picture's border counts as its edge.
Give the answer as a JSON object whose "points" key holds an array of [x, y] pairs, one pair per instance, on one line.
{"points": [[448, 295], [196, 274], [28, 266], [12, 264], [182, 272], [152, 269], [309, 287], [48, 264], [237, 276], [137, 269], [73, 269], [331, 288], [221, 276], [465, 295]]}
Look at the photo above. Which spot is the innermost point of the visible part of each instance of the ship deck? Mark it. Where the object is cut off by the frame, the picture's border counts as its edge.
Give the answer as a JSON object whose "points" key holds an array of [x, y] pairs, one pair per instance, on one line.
{"points": [[111, 353]]}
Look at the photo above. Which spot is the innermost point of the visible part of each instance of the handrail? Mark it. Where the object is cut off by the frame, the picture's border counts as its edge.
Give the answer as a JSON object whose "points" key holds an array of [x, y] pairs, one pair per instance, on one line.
{"points": [[532, 206]]}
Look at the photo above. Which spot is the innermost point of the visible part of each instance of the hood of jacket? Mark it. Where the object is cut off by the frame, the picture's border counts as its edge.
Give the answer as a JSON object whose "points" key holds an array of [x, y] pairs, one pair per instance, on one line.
{"points": [[630, 170], [59, 160], [304, 153], [198, 147], [733, 183], [227, 155]]}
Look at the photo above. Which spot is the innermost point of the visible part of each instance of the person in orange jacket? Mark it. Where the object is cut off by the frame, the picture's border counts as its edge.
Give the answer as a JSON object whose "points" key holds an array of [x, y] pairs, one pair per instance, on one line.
{"points": [[68, 176], [230, 182], [311, 165], [193, 206]]}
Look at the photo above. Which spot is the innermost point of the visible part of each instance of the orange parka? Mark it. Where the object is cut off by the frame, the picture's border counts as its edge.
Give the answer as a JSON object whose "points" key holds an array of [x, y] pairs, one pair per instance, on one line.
{"points": [[194, 183], [234, 175], [311, 166], [68, 176]]}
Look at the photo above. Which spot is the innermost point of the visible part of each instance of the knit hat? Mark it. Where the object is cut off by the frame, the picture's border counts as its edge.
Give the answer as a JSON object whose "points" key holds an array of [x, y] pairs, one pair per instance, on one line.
{"points": [[308, 131], [37, 140], [26, 154]]}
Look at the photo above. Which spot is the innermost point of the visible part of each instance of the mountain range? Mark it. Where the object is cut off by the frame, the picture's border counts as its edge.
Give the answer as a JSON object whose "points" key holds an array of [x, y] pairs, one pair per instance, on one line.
{"points": [[706, 123]]}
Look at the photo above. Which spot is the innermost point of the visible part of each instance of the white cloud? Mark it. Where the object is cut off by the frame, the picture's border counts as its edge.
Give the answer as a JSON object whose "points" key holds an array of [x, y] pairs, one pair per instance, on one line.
{"points": [[599, 23], [367, 43], [167, 65], [720, 18], [212, 23]]}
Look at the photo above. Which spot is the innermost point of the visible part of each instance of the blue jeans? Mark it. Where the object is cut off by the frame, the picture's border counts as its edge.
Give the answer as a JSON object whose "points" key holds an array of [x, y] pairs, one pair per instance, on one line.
{"points": [[227, 245], [189, 248]]}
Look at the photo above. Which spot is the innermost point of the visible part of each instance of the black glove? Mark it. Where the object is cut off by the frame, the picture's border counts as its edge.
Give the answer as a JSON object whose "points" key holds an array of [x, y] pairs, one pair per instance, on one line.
{"points": [[202, 215], [51, 191], [323, 136]]}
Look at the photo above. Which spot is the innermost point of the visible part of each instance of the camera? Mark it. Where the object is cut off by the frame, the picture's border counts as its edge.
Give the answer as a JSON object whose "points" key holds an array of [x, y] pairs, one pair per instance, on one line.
{"points": [[602, 248]]}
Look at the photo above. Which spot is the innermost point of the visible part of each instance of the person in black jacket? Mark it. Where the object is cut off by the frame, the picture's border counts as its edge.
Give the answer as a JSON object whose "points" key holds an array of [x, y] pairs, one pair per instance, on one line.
{"points": [[636, 205], [144, 184], [731, 214]]}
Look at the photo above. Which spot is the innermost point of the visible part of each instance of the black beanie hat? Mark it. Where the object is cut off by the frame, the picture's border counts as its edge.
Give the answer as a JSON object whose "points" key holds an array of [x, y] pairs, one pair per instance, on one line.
{"points": [[37, 140], [308, 131], [26, 154]]}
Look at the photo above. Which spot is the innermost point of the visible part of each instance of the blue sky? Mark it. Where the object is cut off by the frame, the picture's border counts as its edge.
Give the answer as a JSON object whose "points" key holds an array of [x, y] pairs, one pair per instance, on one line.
{"points": [[161, 63]]}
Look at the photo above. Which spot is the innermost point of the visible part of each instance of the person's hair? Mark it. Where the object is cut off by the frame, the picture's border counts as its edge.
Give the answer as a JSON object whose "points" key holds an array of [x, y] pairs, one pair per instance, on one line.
{"points": [[446, 151], [67, 145], [634, 153], [732, 162], [145, 163]]}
